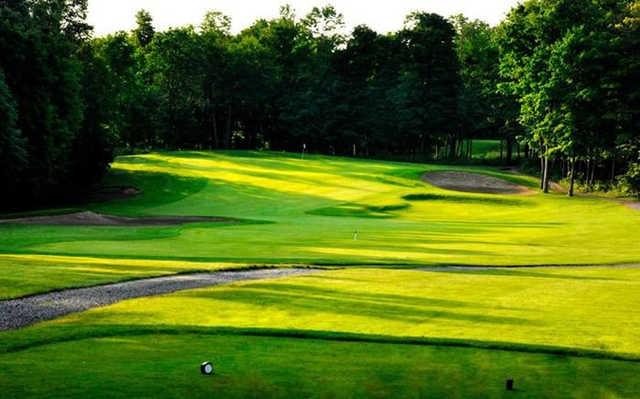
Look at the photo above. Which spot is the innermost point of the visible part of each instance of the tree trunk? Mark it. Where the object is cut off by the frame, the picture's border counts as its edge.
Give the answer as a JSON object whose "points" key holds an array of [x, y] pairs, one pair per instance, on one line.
{"points": [[572, 166], [509, 150], [542, 172], [227, 138], [214, 126], [545, 175], [613, 170], [453, 144]]}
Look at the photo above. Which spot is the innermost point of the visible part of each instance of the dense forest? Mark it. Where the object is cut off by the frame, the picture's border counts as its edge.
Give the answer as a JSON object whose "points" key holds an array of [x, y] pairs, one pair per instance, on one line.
{"points": [[557, 79]]}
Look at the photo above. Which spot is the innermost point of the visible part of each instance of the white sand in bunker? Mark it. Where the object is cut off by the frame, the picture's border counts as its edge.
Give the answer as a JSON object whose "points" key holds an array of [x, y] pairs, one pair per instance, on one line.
{"points": [[96, 219], [473, 183]]}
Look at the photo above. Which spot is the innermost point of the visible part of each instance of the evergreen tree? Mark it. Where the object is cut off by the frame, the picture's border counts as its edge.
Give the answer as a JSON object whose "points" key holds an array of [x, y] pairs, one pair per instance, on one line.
{"points": [[144, 31]]}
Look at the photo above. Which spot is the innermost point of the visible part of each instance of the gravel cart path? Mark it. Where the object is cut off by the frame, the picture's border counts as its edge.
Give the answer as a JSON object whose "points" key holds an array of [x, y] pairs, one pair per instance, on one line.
{"points": [[17, 313]]}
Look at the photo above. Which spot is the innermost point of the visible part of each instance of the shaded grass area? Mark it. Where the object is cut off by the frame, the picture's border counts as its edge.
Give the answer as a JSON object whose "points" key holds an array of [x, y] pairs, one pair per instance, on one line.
{"points": [[167, 366], [21, 238], [37, 337], [463, 198], [359, 210], [157, 189]]}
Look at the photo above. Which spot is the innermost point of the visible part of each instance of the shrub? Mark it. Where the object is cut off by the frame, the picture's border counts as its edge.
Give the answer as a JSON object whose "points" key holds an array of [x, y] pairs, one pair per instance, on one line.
{"points": [[631, 180]]}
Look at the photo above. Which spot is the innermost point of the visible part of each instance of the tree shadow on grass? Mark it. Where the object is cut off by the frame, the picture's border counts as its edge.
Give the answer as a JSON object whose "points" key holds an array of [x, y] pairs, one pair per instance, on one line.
{"points": [[465, 199], [44, 335], [354, 294], [513, 272], [17, 238], [376, 252], [312, 299], [356, 210], [380, 178], [157, 189], [504, 224], [458, 230]]}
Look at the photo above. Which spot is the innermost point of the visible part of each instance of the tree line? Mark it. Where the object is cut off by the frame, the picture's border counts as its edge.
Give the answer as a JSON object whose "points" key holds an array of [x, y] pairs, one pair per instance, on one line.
{"points": [[557, 77], [573, 69]]}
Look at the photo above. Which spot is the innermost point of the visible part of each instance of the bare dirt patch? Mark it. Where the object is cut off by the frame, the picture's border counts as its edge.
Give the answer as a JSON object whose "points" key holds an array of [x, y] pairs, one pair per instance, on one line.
{"points": [[95, 219], [633, 205], [473, 183]]}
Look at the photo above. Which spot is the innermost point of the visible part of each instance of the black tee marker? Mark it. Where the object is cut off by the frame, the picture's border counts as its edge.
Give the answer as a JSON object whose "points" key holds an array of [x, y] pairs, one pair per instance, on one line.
{"points": [[509, 384]]}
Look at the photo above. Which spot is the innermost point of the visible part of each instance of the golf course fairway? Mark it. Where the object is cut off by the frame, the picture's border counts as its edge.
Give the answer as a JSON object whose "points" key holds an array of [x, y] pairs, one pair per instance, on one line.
{"points": [[418, 291]]}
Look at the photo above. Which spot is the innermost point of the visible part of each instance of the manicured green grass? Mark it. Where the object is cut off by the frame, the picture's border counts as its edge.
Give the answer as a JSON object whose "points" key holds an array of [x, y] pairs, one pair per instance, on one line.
{"points": [[306, 211], [373, 329], [166, 366], [28, 274], [561, 332]]}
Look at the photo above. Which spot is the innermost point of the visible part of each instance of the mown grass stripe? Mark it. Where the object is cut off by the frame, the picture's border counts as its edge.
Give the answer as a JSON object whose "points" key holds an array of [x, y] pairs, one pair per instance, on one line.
{"points": [[61, 335]]}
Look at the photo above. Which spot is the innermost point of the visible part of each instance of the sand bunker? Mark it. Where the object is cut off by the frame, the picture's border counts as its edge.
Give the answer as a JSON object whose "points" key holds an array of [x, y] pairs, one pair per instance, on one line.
{"points": [[96, 219], [473, 183]]}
